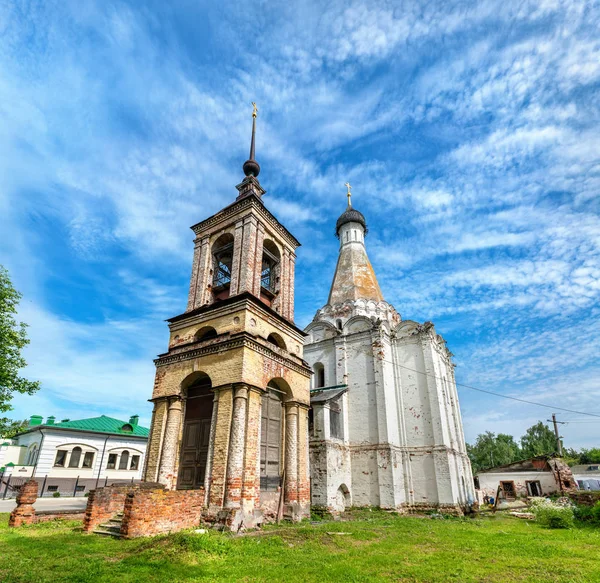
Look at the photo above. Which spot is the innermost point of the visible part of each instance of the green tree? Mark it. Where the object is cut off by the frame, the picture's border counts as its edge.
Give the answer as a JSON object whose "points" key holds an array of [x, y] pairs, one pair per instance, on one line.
{"points": [[9, 427], [13, 338], [492, 450], [538, 440], [590, 456]]}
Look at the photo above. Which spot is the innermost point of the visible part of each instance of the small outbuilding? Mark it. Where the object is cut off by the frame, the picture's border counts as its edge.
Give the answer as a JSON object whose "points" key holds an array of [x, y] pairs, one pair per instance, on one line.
{"points": [[536, 476]]}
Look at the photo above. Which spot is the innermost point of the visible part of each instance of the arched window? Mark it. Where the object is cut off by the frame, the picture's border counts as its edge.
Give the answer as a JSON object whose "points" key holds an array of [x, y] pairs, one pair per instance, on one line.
{"points": [[124, 461], [271, 429], [205, 333], [222, 261], [269, 274], [319, 375], [277, 340], [75, 457], [32, 455], [338, 324]]}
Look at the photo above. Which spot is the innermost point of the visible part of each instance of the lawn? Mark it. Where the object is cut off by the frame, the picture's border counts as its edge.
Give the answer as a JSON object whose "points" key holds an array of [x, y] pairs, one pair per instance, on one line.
{"points": [[376, 546]]}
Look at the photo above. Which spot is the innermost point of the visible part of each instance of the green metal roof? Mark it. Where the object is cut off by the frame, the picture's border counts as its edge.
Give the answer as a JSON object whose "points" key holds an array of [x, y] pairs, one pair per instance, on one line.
{"points": [[102, 424]]}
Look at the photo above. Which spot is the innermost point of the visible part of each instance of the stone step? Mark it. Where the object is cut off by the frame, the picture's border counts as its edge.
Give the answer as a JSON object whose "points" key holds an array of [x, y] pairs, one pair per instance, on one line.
{"points": [[115, 521], [116, 528], [107, 533]]}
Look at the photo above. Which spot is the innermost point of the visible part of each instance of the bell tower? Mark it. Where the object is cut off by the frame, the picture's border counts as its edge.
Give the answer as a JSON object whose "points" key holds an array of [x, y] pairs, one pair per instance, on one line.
{"points": [[231, 394]]}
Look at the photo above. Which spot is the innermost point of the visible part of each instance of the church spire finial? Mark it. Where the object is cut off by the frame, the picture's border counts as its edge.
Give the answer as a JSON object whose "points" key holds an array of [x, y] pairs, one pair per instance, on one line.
{"points": [[251, 166], [349, 193]]}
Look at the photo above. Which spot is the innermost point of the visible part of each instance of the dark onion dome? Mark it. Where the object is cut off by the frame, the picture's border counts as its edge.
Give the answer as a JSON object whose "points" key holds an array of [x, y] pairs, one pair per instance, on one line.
{"points": [[350, 215], [251, 168]]}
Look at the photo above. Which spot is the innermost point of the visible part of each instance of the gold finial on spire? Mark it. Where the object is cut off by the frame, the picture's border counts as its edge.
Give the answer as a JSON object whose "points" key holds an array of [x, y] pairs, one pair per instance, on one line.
{"points": [[349, 194], [254, 109]]}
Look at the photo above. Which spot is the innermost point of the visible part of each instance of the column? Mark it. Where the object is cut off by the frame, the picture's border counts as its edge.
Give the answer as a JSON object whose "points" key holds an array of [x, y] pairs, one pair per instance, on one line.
{"points": [[235, 460], [303, 461], [291, 452], [284, 283], [292, 269], [194, 278], [251, 478], [220, 447], [236, 262], [166, 473], [260, 237], [211, 448], [249, 262]]}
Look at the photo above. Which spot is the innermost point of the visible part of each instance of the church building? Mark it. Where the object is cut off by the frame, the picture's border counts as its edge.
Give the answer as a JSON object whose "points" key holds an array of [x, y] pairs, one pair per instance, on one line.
{"points": [[385, 425], [231, 394]]}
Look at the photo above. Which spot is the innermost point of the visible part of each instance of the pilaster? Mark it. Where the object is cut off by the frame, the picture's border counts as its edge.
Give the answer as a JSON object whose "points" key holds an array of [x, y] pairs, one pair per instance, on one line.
{"points": [[170, 449]]}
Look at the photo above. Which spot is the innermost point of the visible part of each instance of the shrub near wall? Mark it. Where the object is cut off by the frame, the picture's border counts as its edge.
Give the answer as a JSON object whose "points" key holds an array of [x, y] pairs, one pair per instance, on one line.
{"points": [[551, 514]]}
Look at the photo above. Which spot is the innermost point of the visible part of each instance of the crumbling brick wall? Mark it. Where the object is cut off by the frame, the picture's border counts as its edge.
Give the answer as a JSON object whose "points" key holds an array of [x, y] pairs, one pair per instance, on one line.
{"points": [[103, 504], [24, 513], [157, 511]]}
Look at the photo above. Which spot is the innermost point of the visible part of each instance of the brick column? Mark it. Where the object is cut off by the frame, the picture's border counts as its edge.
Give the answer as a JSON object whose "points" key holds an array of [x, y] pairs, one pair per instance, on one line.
{"points": [[291, 283], [170, 449], [211, 447], [303, 461], [235, 459], [249, 263], [24, 513], [284, 283], [220, 447], [236, 262], [251, 480], [194, 279], [260, 237], [291, 452]]}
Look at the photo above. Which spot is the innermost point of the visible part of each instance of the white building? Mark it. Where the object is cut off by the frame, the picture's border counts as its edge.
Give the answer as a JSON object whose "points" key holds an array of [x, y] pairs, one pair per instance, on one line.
{"points": [[86, 451], [536, 476], [386, 427]]}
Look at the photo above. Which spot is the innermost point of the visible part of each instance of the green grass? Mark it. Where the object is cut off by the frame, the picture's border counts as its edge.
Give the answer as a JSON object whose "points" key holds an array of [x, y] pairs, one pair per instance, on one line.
{"points": [[379, 546]]}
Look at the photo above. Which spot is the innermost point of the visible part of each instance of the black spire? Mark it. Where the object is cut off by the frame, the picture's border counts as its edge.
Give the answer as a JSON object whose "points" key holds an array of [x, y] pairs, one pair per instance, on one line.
{"points": [[251, 166]]}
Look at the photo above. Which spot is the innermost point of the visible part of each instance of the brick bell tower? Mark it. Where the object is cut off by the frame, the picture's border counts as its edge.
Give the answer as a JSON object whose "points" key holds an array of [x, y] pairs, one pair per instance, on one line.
{"points": [[231, 395]]}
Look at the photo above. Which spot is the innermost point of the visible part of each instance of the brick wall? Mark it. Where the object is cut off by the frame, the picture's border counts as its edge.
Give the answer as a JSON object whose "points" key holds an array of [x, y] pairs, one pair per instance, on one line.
{"points": [[584, 498], [157, 511], [104, 503]]}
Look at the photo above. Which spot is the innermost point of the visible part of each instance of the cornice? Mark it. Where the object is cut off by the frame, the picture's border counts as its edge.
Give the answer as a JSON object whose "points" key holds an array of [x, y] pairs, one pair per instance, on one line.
{"points": [[247, 202], [242, 340]]}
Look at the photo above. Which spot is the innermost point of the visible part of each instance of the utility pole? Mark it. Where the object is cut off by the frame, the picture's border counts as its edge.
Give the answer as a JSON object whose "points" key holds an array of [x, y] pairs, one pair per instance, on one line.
{"points": [[558, 441]]}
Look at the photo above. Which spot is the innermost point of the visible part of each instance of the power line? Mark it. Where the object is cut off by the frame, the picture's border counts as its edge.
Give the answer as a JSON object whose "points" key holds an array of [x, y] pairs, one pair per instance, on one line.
{"points": [[499, 394]]}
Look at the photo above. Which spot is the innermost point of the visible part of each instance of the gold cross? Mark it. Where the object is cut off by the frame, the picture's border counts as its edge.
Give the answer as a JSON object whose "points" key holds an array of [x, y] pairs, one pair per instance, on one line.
{"points": [[254, 109], [349, 195]]}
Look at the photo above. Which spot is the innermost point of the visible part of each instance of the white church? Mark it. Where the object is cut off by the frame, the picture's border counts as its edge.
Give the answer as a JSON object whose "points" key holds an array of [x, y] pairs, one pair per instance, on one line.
{"points": [[386, 428]]}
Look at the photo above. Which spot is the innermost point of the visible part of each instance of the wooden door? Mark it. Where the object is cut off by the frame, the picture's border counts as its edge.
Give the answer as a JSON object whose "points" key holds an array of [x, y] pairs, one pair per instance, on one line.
{"points": [[195, 442]]}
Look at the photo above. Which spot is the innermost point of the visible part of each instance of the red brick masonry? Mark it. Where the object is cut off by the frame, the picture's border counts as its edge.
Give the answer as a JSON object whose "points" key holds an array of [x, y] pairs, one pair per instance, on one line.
{"points": [[24, 513], [149, 512]]}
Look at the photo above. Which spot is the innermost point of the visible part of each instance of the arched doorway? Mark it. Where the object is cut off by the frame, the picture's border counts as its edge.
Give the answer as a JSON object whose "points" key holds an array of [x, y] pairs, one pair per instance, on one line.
{"points": [[196, 432]]}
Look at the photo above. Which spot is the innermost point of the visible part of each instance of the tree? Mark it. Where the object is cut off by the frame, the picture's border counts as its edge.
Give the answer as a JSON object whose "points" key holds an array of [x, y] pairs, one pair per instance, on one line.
{"points": [[492, 450], [13, 338], [9, 428], [590, 456], [538, 440]]}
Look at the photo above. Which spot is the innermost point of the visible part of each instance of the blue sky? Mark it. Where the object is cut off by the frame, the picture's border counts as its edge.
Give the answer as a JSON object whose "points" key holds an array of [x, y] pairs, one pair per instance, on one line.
{"points": [[470, 134]]}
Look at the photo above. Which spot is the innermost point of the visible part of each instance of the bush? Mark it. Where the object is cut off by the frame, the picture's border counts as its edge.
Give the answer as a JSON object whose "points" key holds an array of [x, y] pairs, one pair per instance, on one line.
{"points": [[56, 495], [589, 514], [552, 515]]}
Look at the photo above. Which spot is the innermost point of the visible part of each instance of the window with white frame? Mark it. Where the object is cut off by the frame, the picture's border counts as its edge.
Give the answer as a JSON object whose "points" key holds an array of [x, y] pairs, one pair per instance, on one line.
{"points": [[75, 456], [124, 459]]}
